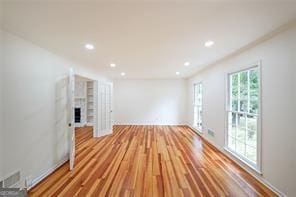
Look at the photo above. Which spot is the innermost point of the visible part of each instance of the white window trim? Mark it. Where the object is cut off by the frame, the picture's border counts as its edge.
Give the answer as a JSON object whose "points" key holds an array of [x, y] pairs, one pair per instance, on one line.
{"points": [[258, 167], [198, 129]]}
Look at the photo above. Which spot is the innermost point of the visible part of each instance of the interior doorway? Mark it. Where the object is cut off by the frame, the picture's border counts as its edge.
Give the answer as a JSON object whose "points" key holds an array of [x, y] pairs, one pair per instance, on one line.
{"points": [[85, 107], [83, 111], [90, 110]]}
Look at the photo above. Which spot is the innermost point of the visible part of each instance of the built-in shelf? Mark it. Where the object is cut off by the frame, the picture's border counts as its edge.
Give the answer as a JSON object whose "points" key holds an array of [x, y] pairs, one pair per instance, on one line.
{"points": [[90, 102], [84, 99]]}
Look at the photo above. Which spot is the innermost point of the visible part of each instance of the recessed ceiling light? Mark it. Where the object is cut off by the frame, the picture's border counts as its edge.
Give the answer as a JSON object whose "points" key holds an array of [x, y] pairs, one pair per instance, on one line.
{"points": [[186, 63], [209, 43], [112, 65], [89, 46], [177, 73], [122, 74]]}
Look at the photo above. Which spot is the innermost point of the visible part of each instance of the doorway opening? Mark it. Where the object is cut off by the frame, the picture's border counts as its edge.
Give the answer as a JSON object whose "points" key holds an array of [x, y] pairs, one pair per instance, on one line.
{"points": [[89, 111], [85, 108]]}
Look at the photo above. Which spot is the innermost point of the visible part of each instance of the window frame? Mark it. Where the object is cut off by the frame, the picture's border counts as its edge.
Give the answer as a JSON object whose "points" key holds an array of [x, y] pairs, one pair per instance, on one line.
{"points": [[258, 166], [199, 129]]}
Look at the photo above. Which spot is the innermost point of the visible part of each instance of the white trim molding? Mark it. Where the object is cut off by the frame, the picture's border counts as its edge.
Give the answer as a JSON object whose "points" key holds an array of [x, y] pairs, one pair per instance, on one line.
{"points": [[258, 165]]}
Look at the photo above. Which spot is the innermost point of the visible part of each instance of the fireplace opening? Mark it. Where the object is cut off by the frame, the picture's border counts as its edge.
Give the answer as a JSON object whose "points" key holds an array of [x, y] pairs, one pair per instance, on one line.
{"points": [[77, 115]]}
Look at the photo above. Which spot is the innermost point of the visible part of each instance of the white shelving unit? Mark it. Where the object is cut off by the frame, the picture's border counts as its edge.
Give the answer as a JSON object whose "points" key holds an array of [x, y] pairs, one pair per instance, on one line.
{"points": [[90, 103], [80, 101]]}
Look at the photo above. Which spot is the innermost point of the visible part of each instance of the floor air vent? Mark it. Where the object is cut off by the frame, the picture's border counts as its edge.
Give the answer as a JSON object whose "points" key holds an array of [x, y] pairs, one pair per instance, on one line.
{"points": [[12, 180], [211, 133]]}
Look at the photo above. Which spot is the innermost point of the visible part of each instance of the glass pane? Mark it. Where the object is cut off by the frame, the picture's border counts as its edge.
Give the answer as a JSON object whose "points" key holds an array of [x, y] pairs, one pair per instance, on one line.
{"points": [[243, 85], [254, 106], [243, 106], [251, 154], [234, 80], [254, 91], [241, 121], [231, 143], [241, 130], [199, 89], [254, 95], [251, 138], [234, 93], [240, 148], [254, 80], [199, 110], [234, 86], [241, 134], [234, 105], [198, 100], [199, 115], [252, 122]]}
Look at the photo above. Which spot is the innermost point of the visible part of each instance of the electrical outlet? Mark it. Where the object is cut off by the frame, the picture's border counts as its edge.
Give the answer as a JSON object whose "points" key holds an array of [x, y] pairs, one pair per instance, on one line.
{"points": [[211, 133]]}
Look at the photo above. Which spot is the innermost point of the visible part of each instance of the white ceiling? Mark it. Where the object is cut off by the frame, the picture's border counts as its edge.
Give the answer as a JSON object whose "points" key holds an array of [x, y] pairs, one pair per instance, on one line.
{"points": [[146, 39]]}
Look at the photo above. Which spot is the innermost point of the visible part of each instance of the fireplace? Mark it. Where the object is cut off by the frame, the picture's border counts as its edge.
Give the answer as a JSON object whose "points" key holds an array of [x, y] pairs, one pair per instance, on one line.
{"points": [[77, 115]]}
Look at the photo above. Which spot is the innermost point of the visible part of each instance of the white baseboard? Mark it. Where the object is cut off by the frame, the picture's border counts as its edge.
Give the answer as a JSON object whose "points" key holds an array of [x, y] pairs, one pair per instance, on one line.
{"points": [[148, 124], [48, 172], [248, 170]]}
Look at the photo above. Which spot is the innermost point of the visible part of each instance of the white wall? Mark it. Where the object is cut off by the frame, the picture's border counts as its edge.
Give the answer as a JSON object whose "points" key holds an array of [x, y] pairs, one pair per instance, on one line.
{"points": [[35, 98], [1, 105], [1, 88], [150, 102], [292, 189], [278, 118]]}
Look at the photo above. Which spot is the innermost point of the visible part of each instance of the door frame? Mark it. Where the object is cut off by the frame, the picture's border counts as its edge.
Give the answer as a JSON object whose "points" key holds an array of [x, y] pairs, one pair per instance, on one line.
{"points": [[71, 123], [71, 117], [95, 124]]}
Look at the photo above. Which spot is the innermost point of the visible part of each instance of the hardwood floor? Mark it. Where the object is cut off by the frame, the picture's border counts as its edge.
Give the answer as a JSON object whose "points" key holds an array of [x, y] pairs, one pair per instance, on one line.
{"points": [[82, 135], [149, 161]]}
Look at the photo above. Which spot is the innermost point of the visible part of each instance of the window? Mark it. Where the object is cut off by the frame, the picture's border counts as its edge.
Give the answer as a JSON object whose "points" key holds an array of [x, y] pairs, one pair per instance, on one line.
{"points": [[243, 131], [197, 107]]}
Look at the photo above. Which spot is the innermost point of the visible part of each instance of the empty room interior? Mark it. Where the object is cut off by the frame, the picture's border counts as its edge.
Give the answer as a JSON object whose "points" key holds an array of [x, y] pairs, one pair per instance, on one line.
{"points": [[148, 98]]}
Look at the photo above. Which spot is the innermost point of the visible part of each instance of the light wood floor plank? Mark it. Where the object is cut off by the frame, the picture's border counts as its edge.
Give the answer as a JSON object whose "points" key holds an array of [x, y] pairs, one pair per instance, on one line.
{"points": [[149, 161]]}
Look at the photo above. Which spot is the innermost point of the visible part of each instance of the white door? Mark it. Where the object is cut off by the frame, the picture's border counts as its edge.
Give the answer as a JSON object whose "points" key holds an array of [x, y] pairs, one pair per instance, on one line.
{"points": [[71, 122], [105, 120]]}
